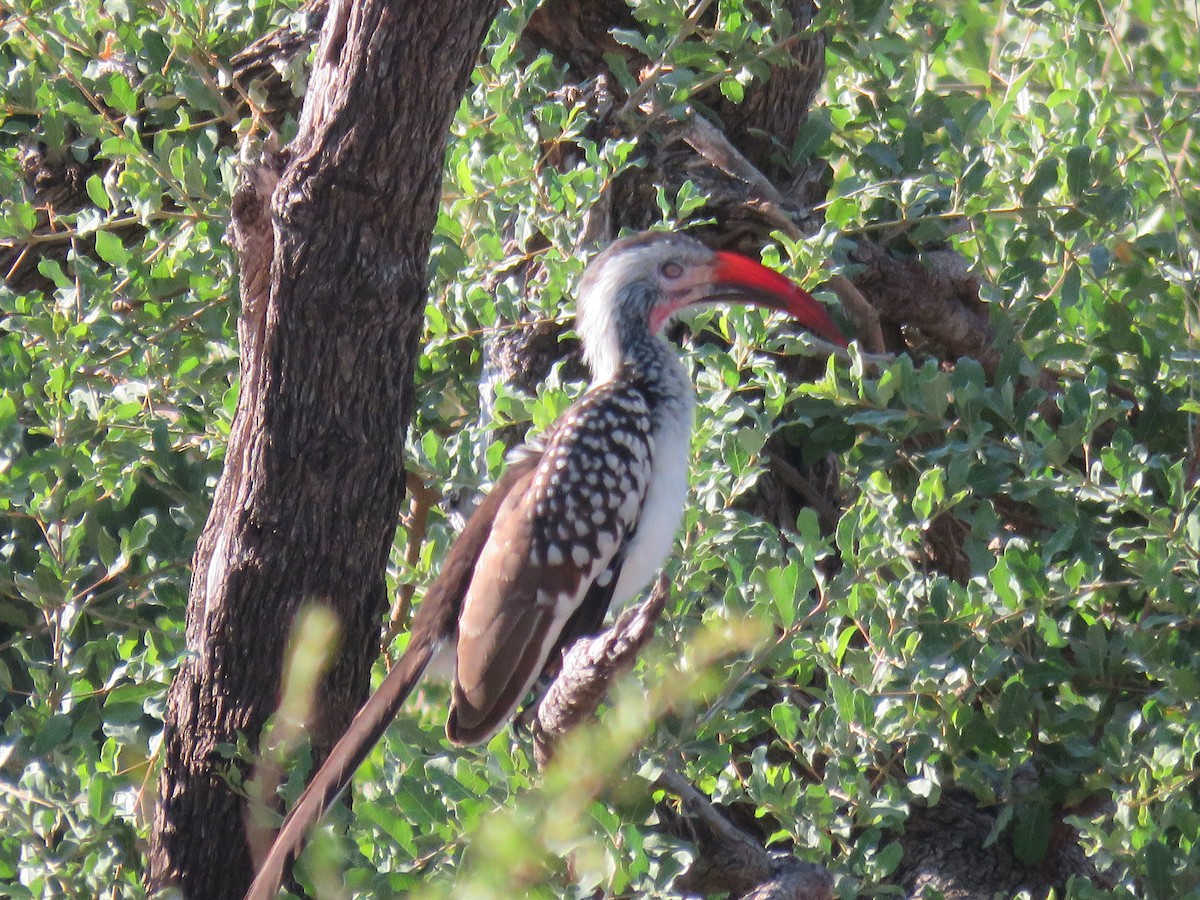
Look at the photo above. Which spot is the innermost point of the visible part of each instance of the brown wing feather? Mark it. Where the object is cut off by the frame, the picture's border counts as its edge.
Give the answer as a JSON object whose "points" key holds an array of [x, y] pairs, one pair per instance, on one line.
{"points": [[439, 610], [558, 529], [502, 631]]}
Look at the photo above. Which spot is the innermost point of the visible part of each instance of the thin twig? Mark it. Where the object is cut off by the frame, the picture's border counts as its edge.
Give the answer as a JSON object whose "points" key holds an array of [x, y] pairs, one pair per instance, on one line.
{"points": [[423, 499], [685, 31], [866, 317]]}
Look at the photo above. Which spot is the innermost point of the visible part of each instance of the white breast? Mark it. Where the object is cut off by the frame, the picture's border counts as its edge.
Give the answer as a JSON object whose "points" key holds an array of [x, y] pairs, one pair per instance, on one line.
{"points": [[663, 509]]}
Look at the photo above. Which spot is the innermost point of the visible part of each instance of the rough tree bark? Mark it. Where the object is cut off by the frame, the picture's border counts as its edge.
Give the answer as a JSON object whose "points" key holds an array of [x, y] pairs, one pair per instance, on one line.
{"points": [[305, 512]]}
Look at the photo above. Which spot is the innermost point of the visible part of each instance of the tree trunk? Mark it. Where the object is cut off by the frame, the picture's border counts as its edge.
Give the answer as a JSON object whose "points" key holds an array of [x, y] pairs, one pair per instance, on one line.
{"points": [[308, 502]]}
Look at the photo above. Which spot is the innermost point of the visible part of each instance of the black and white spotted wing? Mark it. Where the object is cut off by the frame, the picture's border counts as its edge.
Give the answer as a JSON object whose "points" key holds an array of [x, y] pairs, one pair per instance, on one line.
{"points": [[553, 540]]}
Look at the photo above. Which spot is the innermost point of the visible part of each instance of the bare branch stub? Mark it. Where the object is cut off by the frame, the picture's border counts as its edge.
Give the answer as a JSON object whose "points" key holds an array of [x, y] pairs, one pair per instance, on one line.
{"points": [[253, 236], [589, 667]]}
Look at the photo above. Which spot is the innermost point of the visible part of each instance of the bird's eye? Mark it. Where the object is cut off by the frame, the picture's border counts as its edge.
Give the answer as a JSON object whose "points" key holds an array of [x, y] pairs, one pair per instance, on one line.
{"points": [[670, 269]]}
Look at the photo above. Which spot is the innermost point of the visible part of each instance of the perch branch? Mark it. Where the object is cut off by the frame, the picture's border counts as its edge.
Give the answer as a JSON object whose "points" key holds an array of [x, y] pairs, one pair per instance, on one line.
{"points": [[588, 668]]}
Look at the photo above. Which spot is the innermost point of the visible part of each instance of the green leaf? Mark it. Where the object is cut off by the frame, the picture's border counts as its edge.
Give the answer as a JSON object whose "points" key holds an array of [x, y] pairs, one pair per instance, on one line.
{"points": [[733, 90], [121, 94], [1079, 177], [97, 193], [1160, 864], [1045, 176], [1031, 832], [888, 859], [783, 582], [1100, 258], [931, 491], [110, 249], [1003, 583]]}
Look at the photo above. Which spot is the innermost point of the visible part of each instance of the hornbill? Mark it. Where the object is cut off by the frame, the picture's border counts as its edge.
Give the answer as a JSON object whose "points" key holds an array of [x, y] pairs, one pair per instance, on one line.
{"points": [[577, 524]]}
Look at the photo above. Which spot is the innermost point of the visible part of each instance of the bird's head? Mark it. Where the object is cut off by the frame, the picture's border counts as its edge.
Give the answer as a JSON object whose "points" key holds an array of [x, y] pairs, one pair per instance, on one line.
{"points": [[633, 288]]}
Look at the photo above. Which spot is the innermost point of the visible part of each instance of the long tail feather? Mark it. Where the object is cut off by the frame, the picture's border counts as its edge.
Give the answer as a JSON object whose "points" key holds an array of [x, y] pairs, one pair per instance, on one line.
{"points": [[435, 622], [339, 768]]}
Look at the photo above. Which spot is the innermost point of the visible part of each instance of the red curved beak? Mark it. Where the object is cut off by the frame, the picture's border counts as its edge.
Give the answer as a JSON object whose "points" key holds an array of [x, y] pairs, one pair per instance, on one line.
{"points": [[752, 282]]}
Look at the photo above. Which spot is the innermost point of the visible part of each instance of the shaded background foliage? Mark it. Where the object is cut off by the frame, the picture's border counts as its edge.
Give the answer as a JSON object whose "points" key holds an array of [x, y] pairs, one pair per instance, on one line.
{"points": [[1006, 616]]}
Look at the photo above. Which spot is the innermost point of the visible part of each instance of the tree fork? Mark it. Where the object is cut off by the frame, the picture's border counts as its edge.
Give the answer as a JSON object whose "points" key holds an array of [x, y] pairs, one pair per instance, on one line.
{"points": [[309, 498]]}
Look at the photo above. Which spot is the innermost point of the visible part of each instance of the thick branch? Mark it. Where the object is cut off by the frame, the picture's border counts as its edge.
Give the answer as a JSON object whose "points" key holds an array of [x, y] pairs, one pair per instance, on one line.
{"points": [[950, 850], [942, 304]]}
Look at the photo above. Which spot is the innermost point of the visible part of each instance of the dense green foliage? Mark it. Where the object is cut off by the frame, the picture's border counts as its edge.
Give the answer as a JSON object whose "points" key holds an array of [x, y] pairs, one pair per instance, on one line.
{"points": [[1060, 678]]}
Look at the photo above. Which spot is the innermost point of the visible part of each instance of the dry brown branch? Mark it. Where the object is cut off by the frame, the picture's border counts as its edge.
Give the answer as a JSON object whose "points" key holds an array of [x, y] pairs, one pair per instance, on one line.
{"points": [[865, 316], [755, 194], [731, 862], [1019, 517], [793, 478], [944, 541], [580, 34], [423, 500], [711, 143], [588, 668]]}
